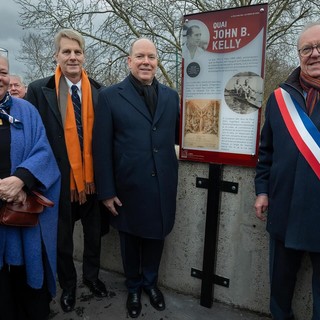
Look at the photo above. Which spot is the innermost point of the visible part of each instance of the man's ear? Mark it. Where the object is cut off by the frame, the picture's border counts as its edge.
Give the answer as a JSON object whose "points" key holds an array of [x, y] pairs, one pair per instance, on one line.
{"points": [[129, 60]]}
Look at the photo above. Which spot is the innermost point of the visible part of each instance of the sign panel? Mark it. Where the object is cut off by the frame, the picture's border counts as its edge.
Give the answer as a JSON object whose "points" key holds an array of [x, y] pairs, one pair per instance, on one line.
{"points": [[222, 85]]}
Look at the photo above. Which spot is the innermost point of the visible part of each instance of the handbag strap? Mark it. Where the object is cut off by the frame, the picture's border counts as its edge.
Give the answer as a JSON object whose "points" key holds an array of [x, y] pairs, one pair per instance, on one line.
{"points": [[42, 199]]}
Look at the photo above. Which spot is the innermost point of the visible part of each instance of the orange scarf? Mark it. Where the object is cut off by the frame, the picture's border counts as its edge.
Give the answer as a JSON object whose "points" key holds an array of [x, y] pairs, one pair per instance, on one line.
{"points": [[81, 172]]}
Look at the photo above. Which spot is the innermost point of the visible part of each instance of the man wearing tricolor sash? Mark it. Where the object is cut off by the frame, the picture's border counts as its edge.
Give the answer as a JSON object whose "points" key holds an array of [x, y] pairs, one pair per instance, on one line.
{"points": [[288, 177]]}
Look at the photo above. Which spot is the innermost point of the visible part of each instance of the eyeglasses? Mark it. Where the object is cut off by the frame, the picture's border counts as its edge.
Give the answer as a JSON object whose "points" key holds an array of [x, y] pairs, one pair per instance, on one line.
{"points": [[307, 50]]}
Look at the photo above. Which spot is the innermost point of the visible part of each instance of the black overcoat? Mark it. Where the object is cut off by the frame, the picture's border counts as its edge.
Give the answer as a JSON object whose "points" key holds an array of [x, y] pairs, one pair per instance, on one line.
{"points": [[135, 159], [42, 94]]}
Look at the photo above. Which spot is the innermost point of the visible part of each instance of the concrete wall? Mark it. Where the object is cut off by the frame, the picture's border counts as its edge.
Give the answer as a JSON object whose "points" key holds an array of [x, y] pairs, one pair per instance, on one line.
{"points": [[242, 247]]}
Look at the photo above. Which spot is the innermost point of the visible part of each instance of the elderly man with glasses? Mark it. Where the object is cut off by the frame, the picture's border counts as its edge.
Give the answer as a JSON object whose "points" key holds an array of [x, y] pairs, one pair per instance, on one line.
{"points": [[288, 177]]}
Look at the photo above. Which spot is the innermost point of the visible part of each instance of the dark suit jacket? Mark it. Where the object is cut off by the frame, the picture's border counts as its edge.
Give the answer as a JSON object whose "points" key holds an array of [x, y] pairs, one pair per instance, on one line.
{"points": [[42, 94], [135, 159], [285, 175]]}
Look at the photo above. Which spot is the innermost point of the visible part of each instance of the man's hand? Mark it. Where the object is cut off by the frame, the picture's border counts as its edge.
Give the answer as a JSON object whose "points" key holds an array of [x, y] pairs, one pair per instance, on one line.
{"points": [[261, 206], [111, 203]]}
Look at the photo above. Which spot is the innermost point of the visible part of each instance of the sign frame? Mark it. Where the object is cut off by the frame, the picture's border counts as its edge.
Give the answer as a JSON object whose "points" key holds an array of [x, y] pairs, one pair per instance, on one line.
{"points": [[217, 125]]}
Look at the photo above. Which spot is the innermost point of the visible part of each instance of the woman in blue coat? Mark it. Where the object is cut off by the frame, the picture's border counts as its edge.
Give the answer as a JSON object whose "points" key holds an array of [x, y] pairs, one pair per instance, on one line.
{"points": [[136, 167], [27, 254]]}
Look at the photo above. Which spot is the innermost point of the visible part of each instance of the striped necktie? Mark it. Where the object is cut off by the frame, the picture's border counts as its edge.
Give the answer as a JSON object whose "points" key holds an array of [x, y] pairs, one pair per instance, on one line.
{"points": [[77, 112]]}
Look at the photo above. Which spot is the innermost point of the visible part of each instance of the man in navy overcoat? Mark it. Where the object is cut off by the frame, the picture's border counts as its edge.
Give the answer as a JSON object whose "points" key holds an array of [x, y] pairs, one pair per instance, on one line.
{"points": [[287, 180], [135, 130]]}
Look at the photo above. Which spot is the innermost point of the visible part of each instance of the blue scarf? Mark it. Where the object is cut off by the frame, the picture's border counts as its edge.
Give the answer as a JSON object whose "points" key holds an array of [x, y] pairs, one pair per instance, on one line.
{"points": [[5, 105]]}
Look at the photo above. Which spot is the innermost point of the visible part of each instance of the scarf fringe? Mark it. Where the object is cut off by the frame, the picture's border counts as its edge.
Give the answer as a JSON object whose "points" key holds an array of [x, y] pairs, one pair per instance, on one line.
{"points": [[82, 196], [74, 195], [90, 188]]}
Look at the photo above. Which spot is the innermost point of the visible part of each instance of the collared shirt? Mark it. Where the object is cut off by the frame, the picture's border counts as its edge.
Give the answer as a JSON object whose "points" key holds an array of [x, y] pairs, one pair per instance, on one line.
{"points": [[187, 55], [70, 84]]}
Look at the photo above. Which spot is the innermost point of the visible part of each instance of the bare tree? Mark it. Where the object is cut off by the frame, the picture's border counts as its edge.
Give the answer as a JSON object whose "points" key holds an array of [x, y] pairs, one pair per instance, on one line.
{"points": [[110, 26], [38, 50]]}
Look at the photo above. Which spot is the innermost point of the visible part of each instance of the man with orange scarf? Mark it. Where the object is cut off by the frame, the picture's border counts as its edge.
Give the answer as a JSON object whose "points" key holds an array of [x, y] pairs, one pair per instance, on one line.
{"points": [[288, 177], [70, 138]]}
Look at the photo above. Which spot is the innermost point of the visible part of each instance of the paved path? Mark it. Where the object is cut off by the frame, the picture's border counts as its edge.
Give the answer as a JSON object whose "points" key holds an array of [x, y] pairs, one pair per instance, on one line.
{"points": [[179, 307]]}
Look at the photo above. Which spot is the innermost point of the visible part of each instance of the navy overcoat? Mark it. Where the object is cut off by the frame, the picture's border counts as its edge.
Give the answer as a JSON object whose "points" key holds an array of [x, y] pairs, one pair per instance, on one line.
{"points": [[284, 174], [135, 158]]}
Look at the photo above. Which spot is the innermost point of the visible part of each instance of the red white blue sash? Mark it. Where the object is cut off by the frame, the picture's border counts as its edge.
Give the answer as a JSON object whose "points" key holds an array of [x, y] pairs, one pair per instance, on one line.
{"points": [[302, 130]]}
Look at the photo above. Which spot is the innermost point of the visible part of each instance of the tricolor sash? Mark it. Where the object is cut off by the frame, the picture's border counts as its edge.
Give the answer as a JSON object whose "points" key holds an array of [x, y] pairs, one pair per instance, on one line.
{"points": [[302, 130]]}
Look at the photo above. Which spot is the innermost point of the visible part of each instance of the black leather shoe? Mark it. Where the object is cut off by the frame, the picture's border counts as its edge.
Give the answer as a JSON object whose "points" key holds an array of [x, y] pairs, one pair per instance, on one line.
{"points": [[97, 287], [156, 298], [134, 304], [68, 299]]}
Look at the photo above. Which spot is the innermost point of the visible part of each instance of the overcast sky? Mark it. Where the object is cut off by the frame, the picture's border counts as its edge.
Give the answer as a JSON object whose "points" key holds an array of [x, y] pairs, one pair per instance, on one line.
{"points": [[11, 34]]}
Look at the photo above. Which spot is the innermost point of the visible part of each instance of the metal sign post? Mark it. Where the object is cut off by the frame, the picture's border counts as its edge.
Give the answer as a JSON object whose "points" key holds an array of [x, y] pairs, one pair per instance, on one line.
{"points": [[215, 185]]}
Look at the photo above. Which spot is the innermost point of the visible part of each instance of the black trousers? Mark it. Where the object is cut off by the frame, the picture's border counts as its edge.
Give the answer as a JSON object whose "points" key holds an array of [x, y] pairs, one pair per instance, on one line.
{"points": [[141, 259], [284, 266], [18, 300], [90, 216]]}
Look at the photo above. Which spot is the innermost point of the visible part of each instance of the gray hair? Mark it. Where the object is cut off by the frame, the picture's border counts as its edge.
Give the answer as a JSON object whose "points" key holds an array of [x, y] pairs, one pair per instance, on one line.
{"points": [[70, 34], [307, 27], [5, 58], [18, 77]]}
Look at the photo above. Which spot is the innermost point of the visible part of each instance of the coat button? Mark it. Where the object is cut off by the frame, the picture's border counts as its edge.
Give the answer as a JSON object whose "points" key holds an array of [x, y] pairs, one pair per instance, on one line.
{"points": [[154, 128], [153, 174], [155, 150]]}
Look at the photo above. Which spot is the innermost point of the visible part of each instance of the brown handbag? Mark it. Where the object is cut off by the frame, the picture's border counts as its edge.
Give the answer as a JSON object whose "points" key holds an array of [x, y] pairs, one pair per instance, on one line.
{"points": [[24, 215]]}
